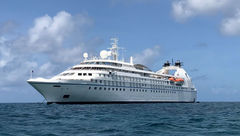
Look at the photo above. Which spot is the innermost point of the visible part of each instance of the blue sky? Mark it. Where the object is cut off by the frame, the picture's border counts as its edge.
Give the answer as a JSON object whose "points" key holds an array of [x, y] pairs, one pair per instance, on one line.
{"points": [[50, 36]]}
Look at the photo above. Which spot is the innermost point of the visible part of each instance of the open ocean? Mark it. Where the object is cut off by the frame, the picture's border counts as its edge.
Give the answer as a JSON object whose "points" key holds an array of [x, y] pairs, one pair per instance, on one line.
{"points": [[160, 119]]}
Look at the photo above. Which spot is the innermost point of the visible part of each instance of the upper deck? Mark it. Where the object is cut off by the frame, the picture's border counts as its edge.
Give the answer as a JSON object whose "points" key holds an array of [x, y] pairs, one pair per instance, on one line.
{"points": [[108, 62]]}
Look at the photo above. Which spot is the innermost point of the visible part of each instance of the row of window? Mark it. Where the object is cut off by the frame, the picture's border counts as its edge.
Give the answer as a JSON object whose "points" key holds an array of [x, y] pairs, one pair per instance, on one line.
{"points": [[129, 84], [67, 74], [85, 74], [135, 79], [104, 63], [110, 69], [79, 74], [104, 88], [131, 90]]}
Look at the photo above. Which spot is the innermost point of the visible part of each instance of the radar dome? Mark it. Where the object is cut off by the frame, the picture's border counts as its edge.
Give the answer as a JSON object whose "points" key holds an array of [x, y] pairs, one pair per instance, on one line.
{"points": [[85, 55], [103, 54]]}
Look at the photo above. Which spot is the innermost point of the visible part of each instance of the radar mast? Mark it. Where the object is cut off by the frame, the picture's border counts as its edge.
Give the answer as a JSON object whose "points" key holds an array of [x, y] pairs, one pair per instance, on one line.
{"points": [[114, 49]]}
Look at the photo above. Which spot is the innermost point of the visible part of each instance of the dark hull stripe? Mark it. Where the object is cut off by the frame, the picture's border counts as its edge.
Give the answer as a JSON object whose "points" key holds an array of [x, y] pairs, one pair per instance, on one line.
{"points": [[121, 102]]}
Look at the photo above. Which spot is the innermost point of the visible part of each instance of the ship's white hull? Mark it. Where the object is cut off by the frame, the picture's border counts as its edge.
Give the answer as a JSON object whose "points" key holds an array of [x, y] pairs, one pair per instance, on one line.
{"points": [[89, 93]]}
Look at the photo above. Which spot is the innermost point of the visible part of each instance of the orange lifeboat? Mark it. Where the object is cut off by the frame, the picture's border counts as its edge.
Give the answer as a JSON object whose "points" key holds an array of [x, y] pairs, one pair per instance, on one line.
{"points": [[179, 80], [176, 79], [172, 79]]}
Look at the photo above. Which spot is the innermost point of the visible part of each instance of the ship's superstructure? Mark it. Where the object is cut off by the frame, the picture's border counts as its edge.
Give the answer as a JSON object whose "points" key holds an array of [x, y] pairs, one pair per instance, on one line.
{"points": [[109, 80]]}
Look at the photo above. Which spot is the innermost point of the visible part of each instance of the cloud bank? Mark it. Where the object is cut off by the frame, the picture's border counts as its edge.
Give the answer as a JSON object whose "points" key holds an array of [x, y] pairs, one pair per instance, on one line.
{"points": [[48, 47], [185, 9]]}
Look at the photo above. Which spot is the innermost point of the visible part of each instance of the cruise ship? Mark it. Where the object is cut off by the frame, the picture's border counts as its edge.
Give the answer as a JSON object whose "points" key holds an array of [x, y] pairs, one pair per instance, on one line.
{"points": [[106, 79]]}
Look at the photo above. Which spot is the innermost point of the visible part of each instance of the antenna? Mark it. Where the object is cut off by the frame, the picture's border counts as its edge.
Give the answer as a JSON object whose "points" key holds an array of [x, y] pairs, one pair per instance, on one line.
{"points": [[31, 74], [131, 60], [114, 49]]}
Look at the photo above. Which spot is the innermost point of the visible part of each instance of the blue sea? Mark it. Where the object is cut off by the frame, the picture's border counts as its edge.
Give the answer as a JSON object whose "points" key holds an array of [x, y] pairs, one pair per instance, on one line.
{"points": [[158, 119]]}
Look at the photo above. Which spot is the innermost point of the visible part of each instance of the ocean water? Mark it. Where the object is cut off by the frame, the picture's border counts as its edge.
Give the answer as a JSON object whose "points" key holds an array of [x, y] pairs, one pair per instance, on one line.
{"points": [[160, 119]]}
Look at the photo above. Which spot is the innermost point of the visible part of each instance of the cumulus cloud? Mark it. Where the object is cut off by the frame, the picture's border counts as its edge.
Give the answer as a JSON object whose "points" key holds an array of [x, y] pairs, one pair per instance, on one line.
{"points": [[148, 56], [231, 26], [49, 33], [49, 46], [184, 9]]}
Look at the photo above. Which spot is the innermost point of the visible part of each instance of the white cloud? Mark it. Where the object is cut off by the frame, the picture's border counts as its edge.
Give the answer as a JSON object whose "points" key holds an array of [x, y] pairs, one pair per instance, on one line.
{"points": [[49, 33], [148, 56], [231, 26], [51, 45], [184, 9]]}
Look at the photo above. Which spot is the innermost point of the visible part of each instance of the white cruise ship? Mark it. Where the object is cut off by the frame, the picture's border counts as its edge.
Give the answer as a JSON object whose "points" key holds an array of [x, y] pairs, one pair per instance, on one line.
{"points": [[109, 80]]}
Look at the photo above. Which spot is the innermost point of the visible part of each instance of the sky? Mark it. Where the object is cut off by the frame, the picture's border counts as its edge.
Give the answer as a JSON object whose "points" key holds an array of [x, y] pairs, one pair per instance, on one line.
{"points": [[49, 36]]}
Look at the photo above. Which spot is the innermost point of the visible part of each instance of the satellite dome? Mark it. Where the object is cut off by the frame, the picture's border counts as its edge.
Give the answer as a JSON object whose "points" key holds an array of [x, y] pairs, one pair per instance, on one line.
{"points": [[85, 55], [103, 54]]}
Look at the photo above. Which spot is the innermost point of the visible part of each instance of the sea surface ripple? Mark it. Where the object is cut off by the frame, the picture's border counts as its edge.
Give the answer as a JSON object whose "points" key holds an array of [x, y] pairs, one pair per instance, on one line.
{"points": [[173, 119]]}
